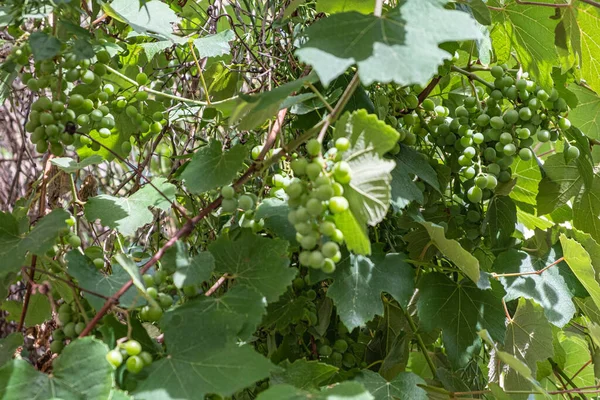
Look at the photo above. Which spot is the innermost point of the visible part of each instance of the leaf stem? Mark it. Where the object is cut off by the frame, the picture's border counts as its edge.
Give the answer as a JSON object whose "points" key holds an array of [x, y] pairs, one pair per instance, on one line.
{"points": [[420, 343], [473, 76]]}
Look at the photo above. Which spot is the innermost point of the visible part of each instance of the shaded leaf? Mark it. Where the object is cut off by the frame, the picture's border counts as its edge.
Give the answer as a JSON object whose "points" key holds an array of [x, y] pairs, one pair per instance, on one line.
{"points": [[410, 163], [303, 374], [341, 391], [43, 46], [404, 386]]}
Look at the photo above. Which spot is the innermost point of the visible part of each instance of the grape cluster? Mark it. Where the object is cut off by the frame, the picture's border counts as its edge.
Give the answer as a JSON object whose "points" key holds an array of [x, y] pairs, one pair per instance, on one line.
{"points": [[72, 324], [131, 352], [158, 287], [315, 195], [83, 106], [490, 129]]}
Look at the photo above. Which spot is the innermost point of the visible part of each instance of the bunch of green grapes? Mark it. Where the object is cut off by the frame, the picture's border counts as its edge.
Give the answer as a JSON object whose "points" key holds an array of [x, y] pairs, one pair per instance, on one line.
{"points": [[485, 134], [158, 288], [131, 352], [315, 195], [71, 323], [82, 105]]}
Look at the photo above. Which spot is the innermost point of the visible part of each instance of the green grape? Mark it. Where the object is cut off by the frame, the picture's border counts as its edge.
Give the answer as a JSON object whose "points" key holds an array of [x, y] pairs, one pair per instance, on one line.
{"points": [[327, 228], [497, 71], [464, 161], [492, 182], [511, 116], [304, 258], [481, 181], [473, 216], [469, 152], [72, 75], [165, 300], [330, 249], [299, 166], [525, 114], [227, 192], [141, 95], [543, 136], [489, 154], [475, 194], [99, 69], [132, 347], [115, 358], [338, 204], [461, 112], [96, 115], [542, 95], [412, 101], [504, 176], [572, 153], [313, 147], [69, 330], [131, 111], [313, 170], [152, 292], [98, 263], [88, 77], [428, 105], [564, 124], [493, 169], [340, 346], [104, 133], [256, 150], [325, 351], [509, 149], [469, 172], [525, 154], [74, 241], [245, 202], [229, 205], [141, 78], [148, 280], [505, 138], [146, 358], [314, 207], [126, 147], [497, 122], [316, 259], [328, 266], [83, 119], [57, 346], [64, 308], [311, 294], [521, 84], [79, 327], [134, 364], [308, 242]]}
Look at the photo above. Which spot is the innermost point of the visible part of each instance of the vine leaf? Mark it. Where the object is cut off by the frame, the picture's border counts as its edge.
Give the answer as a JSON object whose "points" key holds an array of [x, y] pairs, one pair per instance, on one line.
{"points": [[88, 277], [214, 363], [187, 270], [9, 345], [410, 163], [210, 167], [344, 391], [355, 233], [588, 19], [502, 219], [14, 245], [528, 177], [549, 289], [359, 281], [586, 116], [274, 212], [153, 18], [286, 311], [577, 351], [581, 264], [529, 339], [530, 30], [335, 6], [401, 46], [450, 248], [128, 214], [403, 386], [460, 310], [69, 165], [43, 46], [586, 210], [80, 372], [38, 311], [214, 45], [255, 261], [303, 374]]}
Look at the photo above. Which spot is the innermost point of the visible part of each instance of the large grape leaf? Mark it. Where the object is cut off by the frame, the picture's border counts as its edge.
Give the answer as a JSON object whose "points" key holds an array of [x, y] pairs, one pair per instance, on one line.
{"points": [[285, 311], [210, 363], [80, 372], [400, 46], [187, 270], [43, 45], [335, 6], [577, 353], [153, 18], [451, 249], [586, 116], [355, 233], [410, 163], [549, 289], [530, 29], [342, 391], [529, 339], [588, 18], [38, 310], [528, 177], [274, 212], [460, 309], [303, 374], [586, 210], [14, 246], [581, 264], [210, 167], [127, 214], [255, 261], [403, 386], [88, 277], [214, 45], [501, 217], [359, 281], [69, 165], [9, 345]]}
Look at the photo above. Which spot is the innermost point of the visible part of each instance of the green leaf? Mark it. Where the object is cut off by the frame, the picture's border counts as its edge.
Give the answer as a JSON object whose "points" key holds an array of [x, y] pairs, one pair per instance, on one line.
{"points": [[501, 217], [335, 6], [480, 12], [9, 345], [215, 363], [355, 233], [124, 128], [359, 281], [153, 18], [400, 46], [366, 132], [88, 277], [589, 20], [274, 212], [561, 183], [38, 310], [252, 111], [69, 165], [528, 176], [255, 261], [451, 249], [341, 391], [285, 311], [80, 372], [43, 46], [586, 116], [125, 262], [530, 29], [187, 270], [410, 163], [580, 263], [460, 310], [549, 289], [211, 168], [14, 246], [586, 210], [214, 45], [303, 374], [128, 214], [577, 353], [404, 386], [154, 48], [529, 339]]}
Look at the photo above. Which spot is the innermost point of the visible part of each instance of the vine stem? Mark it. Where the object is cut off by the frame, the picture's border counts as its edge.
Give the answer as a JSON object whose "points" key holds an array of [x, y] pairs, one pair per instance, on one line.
{"points": [[339, 107], [538, 272], [473, 76], [41, 213]]}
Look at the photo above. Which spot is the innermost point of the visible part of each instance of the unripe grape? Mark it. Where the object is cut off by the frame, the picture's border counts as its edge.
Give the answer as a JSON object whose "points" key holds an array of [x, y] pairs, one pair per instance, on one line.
{"points": [[134, 364], [165, 300], [330, 249], [474, 194], [342, 144], [229, 205], [525, 154], [325, 351], [428, 105], [57, 346], [505, 138], [338, 204], [314, 207], [115, 358], [104, 133], [469, 172], [79, 327], [313, 147], [74, 241], [509, 149], [299, 166], [572, 153], [304, 258], [564, 124], [543, 136], [340, 345], [464, 161], [525, 114], [126, 147], [316, 259], [492, 182], [497, 71], [313, 170], [227, 192], [132, 347], [141, 95], [308, 242], [497, 122], [328, 266], [141, 78], [88, 77], [69, 330], [469, 152], [98, 262], [146, 358], [511, 116], [481, 181]]}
